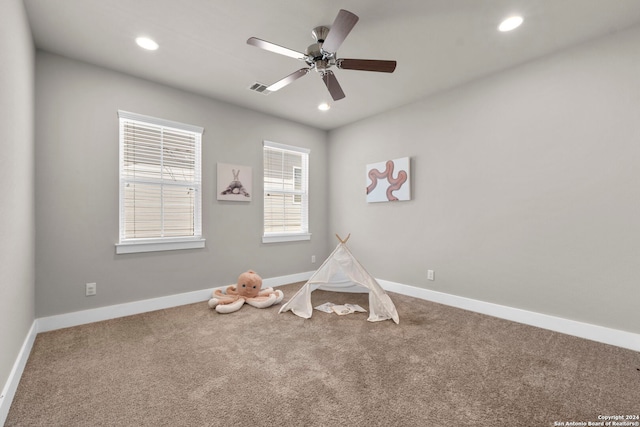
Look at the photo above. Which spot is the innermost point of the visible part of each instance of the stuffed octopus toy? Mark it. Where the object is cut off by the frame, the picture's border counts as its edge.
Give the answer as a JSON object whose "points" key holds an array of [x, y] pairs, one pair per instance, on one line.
{"points": [[248, 289]]}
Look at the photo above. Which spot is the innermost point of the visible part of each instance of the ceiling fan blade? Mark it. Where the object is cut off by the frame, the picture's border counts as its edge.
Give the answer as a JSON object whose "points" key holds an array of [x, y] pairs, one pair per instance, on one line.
{"points": [[342, 26], [332, 84], [367, 65], [288, 80], [271, 47]]}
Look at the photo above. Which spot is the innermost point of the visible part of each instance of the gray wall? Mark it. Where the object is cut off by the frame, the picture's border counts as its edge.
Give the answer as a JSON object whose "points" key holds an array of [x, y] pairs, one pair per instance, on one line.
{"points": [[16, 175], [526, 187], [77, 191]]}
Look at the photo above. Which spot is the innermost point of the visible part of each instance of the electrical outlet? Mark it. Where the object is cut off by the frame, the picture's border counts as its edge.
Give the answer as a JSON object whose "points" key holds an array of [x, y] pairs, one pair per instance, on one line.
{"points": [[431, 275], [313, 259], [91, 289]]}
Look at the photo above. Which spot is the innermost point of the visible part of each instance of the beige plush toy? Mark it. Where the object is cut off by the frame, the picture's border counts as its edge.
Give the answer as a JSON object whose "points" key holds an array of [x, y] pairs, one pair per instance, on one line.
{"points": [[248, 289]]}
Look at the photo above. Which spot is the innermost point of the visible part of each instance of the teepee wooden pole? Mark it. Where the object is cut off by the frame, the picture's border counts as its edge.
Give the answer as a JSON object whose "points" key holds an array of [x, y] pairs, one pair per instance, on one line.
{"points": [[341, 240]]}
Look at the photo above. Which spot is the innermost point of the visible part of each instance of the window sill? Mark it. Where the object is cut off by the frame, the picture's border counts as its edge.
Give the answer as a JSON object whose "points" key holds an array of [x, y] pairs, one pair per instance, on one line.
{"points": [[278, 238], [158, 245]]}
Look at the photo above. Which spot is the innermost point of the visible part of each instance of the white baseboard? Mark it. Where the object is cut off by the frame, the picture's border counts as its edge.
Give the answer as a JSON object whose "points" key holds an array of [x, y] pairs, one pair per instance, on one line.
{"points": [[10, 387], [77, 318], [597, 333], [285, 280], [588, 331], [136, 307]]}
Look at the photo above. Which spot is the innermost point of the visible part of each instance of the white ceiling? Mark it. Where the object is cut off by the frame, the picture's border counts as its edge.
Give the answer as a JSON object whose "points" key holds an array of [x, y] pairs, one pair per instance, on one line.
{"points": [[438, 44]]}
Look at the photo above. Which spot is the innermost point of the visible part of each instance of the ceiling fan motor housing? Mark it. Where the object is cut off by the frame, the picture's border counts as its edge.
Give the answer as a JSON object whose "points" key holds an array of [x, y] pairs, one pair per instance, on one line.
{"points": [[317, 58], [313, 51]]}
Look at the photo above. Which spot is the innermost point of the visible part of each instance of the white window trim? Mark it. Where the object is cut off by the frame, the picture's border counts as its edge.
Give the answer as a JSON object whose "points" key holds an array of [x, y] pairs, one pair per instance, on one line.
{"points": [[160, 122], [285, 237], [150, 245], [130, 246], [293, 236]]}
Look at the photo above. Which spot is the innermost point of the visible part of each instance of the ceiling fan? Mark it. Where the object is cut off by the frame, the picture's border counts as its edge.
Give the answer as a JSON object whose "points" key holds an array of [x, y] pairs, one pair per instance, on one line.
{"points": [[321, 56]]}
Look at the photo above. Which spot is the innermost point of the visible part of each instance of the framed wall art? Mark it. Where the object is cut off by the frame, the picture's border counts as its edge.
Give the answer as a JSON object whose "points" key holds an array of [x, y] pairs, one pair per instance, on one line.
{"points": [[234, 183], [389, 181]]}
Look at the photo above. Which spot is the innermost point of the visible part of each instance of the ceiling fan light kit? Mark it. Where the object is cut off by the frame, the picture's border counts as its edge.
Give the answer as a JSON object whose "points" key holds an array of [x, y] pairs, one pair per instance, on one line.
{"points": [[322, 55]]}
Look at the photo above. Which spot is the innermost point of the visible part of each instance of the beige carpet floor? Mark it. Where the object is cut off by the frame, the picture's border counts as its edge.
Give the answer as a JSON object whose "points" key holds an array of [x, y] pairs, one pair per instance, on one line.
{"points": [[441, 366]]}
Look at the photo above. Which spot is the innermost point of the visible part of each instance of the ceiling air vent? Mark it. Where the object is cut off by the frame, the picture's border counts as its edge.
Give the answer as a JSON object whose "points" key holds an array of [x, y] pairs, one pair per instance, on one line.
{"points": [[259, 87]]}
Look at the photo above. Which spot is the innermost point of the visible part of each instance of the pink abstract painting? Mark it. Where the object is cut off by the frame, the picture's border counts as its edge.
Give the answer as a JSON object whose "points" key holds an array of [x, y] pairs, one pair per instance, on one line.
{"points": [[389, 181]]}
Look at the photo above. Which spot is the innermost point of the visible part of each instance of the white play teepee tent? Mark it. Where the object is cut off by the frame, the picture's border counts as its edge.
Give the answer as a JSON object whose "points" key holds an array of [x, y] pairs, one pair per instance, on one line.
{"points": [[330, 277]]}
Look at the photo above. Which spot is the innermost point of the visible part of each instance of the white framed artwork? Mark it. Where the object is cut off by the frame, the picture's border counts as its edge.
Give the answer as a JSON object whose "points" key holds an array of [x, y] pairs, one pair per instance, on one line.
{"points": [[389, 181], [234, 183]]}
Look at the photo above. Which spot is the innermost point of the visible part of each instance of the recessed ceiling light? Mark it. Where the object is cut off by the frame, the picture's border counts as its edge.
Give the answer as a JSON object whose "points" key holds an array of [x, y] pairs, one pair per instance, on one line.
{"points": [[147, 43], [511, 23], [324, 106]]}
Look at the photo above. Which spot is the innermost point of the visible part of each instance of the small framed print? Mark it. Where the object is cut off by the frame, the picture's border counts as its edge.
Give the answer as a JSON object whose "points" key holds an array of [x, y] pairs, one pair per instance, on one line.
{"points": [[234, 183]]}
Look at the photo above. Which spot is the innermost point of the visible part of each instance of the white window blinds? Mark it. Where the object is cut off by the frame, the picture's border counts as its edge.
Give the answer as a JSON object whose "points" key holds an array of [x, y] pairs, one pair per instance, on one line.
{"points": [[160, 179], [286, 199]]}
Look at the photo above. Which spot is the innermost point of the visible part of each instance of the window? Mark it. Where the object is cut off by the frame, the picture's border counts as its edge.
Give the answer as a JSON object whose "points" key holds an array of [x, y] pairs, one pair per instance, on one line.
{"points": [[160, 185], [286, 198]]}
